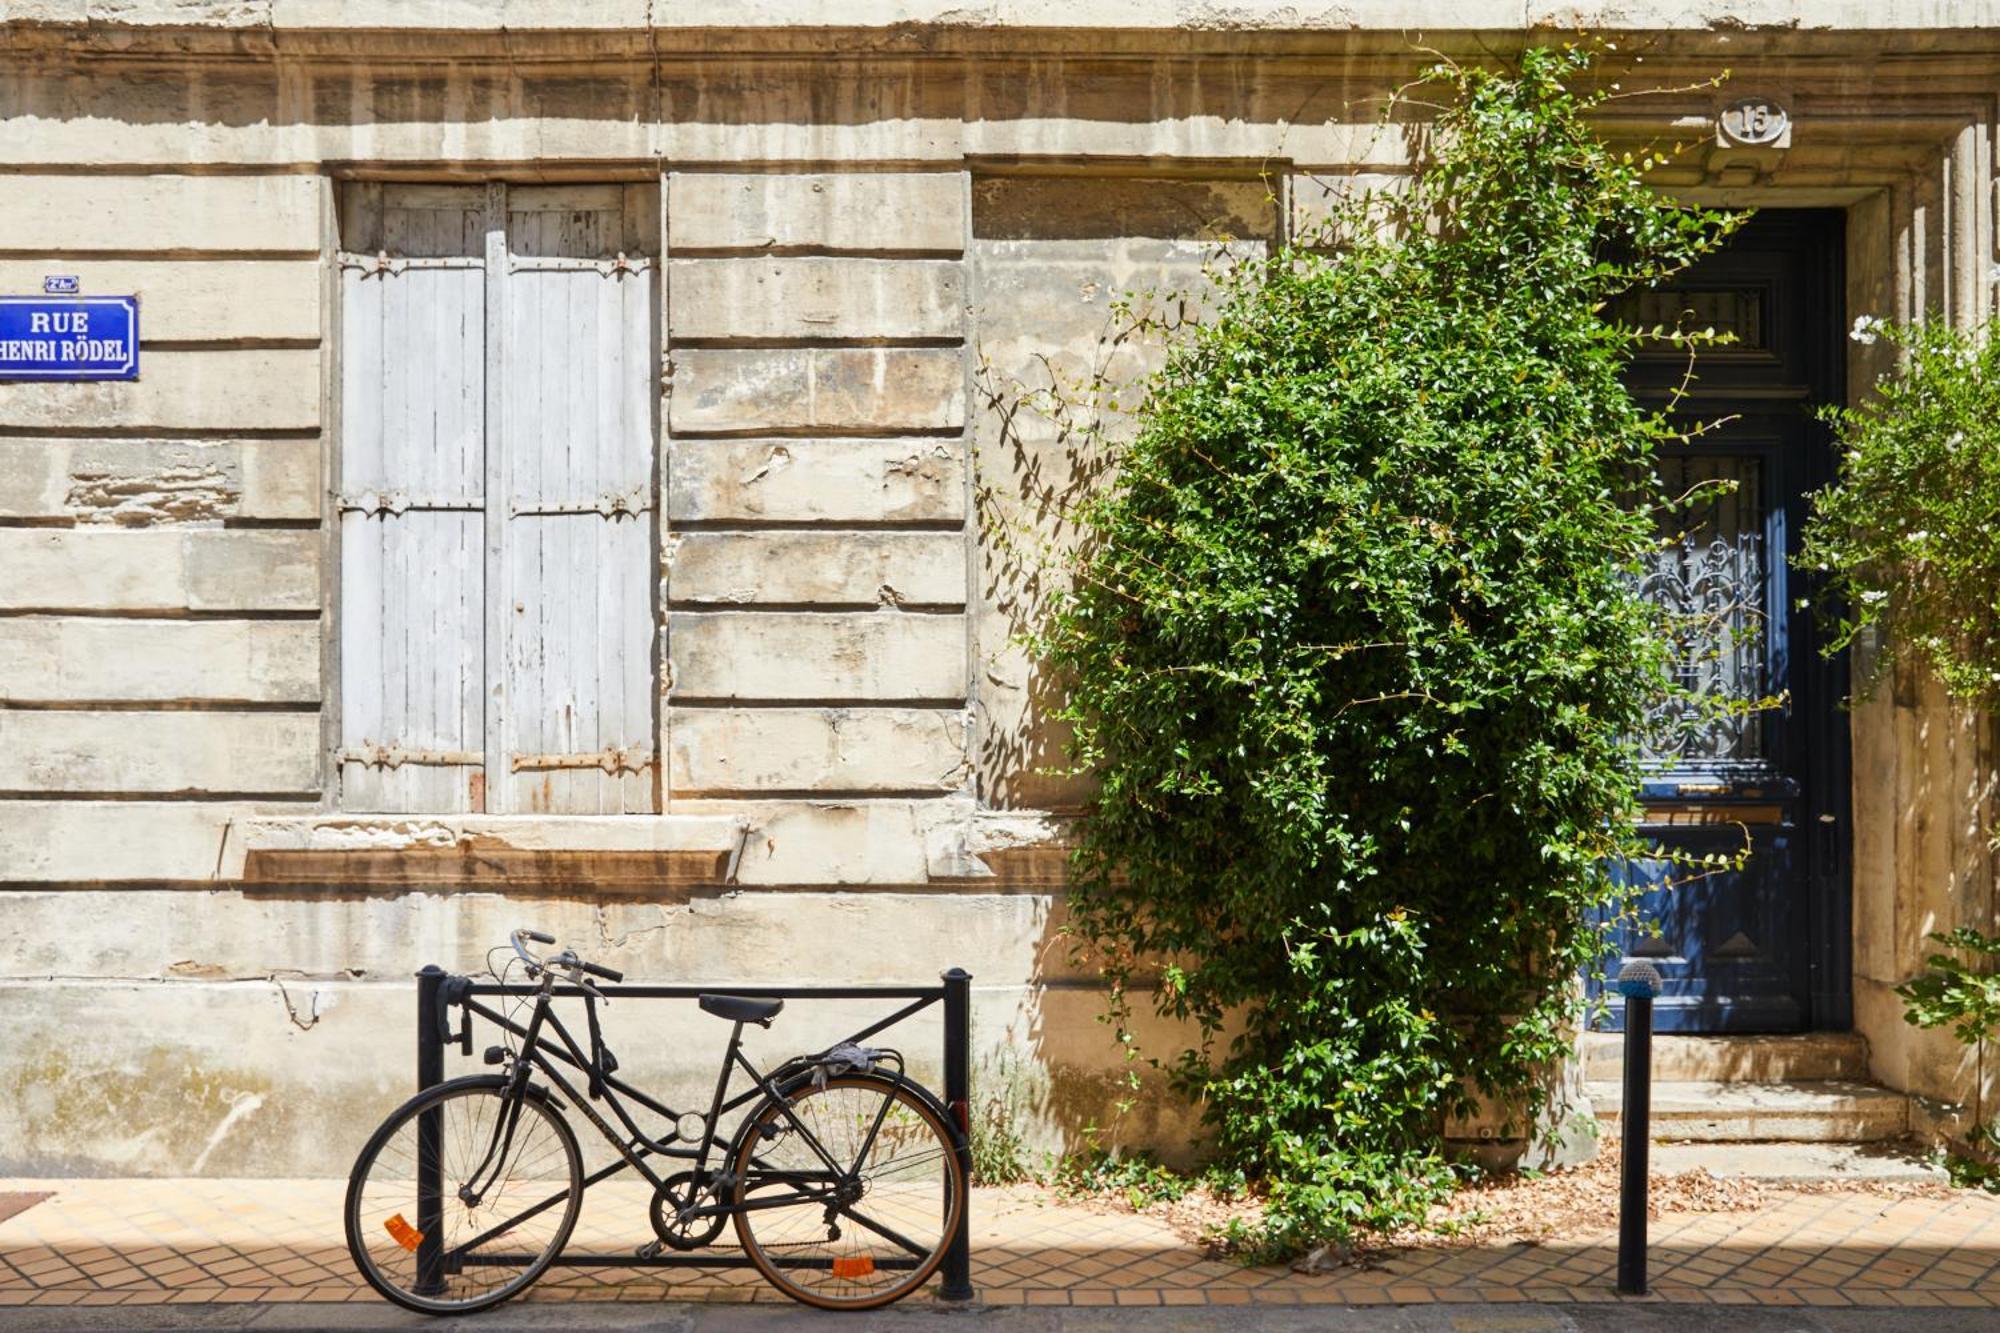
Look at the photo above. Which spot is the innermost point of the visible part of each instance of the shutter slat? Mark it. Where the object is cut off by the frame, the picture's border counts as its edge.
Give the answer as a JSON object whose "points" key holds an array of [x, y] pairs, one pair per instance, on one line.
{"points": [[577, 357], [412, 581]]}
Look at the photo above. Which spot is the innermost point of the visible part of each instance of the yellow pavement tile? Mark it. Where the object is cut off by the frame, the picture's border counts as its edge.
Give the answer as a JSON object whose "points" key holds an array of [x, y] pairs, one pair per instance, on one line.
{"points": [[154, 1242], [1965, 1299]]}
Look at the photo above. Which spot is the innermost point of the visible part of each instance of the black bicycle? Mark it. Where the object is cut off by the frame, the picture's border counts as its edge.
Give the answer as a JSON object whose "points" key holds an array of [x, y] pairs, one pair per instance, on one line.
{"points": [[844, 1182]]}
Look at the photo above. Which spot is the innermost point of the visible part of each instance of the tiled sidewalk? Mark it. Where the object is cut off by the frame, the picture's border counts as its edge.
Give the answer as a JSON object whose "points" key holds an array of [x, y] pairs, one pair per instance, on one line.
{"points": [[111, 1242]]}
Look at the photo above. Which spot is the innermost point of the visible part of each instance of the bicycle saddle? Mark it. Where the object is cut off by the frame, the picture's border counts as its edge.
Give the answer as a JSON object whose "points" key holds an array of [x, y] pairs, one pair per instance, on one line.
{"points": [[740, 1008]]}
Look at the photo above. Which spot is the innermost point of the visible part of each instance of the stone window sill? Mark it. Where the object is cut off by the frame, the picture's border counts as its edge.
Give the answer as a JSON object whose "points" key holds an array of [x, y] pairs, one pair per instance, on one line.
{"points": [[598, 853]]}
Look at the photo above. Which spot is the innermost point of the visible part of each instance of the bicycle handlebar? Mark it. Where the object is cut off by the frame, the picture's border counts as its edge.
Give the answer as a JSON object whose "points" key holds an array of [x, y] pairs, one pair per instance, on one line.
{"points": [[564, 961]]}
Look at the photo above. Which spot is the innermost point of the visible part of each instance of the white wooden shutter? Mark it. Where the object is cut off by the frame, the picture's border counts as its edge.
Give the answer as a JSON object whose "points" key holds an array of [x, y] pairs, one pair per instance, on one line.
{"points": [[579, 351], [411, 502]]}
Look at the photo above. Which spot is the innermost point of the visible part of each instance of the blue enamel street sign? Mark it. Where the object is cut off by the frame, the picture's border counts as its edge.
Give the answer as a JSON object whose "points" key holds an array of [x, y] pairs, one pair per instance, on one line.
{"points": [[69, 338]]}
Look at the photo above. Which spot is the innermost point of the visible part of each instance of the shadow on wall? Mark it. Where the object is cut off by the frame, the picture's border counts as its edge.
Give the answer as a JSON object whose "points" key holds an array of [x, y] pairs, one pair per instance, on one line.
{"points": [[1062, 266], [1054, 1079]]}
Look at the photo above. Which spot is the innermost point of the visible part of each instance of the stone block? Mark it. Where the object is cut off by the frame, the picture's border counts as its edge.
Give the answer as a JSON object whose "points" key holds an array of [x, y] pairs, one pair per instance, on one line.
{"points": [[91, 658], [833, 842], [715, 751], [813, 481], [46, 842], [182, 13], [836, 568], [223, 389], [806, 298], [66, 214], [1046, 208], [384, 938], [141, 483], [460, 14], [999, 848], [189, 300], [1318, 199], [844, 388], [120, 752], [760, 655], [868, 211], [158, 569]]}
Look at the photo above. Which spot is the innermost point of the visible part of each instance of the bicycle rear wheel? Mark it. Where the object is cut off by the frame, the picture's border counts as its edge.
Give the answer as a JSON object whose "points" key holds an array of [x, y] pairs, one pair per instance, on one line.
{"points": [[475, 1249], [868, 1233]]}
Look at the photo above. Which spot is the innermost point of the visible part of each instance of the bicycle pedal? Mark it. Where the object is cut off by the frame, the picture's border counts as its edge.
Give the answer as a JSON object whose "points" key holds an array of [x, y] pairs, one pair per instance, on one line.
{"points": [[650, 1250]]}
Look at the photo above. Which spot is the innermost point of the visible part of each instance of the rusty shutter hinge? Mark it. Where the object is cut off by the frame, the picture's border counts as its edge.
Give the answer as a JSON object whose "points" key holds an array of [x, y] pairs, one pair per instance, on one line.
{"points": [[395, 756], [614, 759], [401, 502], [611, 504]]}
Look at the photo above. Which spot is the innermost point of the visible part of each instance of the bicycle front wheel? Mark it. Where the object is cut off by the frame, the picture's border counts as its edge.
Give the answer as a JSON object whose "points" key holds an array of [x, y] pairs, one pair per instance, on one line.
{"points": [[505, 1205], [849, 1201]]}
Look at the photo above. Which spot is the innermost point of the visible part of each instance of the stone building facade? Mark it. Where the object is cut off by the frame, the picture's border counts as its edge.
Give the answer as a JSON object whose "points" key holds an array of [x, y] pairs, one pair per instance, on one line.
{"points": [[562, 483]]}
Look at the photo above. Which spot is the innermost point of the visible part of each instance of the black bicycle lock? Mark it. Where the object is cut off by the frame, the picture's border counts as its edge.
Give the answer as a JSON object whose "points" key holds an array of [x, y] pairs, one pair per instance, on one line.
{"points": [[1639, 983]]}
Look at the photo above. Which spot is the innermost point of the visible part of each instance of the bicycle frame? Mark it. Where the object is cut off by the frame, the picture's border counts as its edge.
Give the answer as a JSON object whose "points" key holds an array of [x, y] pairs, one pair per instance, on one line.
{"points": [[539, 1055]]}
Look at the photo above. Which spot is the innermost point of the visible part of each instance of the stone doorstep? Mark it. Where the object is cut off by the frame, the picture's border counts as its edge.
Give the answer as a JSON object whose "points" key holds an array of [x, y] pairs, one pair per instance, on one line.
{"points": [[1720, 1059], [1887, 1159], [1800, 1111]]}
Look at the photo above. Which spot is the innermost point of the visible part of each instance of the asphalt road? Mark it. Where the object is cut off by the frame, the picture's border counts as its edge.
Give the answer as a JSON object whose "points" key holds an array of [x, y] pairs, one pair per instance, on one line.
{"points": [[1606, 1318]]}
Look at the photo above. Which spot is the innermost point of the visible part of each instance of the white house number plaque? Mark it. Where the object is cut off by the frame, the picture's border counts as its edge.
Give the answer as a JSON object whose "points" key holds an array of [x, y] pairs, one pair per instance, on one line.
{"points": [[1755, 122]]}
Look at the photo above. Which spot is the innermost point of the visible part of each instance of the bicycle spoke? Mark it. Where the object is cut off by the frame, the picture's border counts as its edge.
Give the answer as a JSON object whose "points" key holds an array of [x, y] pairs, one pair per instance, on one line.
{"points": [[887, 1233]]}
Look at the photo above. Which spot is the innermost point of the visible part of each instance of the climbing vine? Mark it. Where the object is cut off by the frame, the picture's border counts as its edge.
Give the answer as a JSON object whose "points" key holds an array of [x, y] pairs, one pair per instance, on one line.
{"points": [[1908, 542], [1908, 536], [1353, 648]]}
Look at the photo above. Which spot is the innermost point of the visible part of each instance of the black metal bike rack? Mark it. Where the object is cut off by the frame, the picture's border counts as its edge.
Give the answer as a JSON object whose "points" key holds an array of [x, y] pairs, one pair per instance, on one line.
{"points": [[438, 992]]}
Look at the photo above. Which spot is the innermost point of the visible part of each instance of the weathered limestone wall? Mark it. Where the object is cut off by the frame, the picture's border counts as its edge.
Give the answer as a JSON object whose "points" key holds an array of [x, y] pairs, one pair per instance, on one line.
{"points": [[226, 1033], [872, 234]]}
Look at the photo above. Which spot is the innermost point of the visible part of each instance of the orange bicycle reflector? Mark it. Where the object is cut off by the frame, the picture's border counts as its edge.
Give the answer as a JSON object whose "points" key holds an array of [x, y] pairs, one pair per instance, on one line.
{"points": [[408, 1236], [856, 1266]]}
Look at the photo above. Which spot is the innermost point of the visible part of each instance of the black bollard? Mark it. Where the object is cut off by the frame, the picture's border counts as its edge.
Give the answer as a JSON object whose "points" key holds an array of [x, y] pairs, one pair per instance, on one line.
{"points": [[1639, 983], [430, 1136], [957, 1267]]}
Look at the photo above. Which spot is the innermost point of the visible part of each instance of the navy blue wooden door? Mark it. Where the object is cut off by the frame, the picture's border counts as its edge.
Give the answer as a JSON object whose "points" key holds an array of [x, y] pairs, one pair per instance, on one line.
{"points": [[1763, 948]]}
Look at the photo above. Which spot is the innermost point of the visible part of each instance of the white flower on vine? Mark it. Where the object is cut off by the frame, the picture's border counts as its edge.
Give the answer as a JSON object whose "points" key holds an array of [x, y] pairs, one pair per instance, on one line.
{"points": [[1866, 330], [1875, 595], [1921, 534]]}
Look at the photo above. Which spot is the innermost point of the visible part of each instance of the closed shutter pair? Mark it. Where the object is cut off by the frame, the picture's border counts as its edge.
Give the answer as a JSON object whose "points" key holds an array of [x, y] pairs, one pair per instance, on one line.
{"points": [[497, 631]]}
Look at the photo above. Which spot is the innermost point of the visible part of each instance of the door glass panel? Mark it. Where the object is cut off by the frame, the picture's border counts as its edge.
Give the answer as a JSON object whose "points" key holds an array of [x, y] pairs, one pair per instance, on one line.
{"points": [[1709, 574]]}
